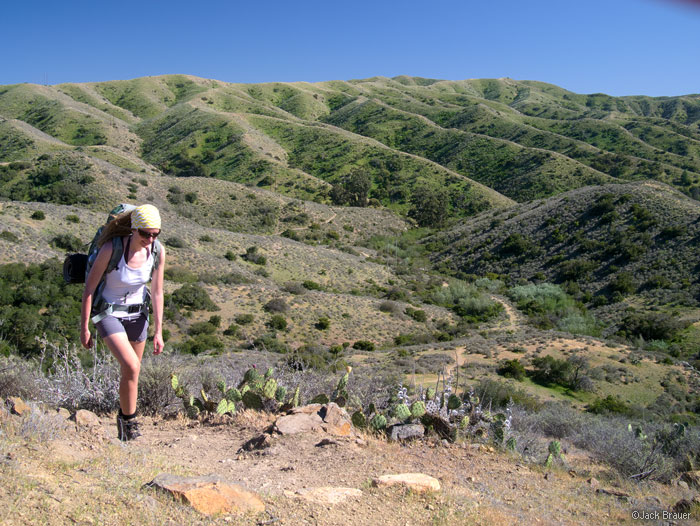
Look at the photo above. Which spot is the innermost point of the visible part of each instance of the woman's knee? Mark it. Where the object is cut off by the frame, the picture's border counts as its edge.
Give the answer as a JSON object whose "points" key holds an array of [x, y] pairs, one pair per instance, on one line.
{"points": [[131, 369]]}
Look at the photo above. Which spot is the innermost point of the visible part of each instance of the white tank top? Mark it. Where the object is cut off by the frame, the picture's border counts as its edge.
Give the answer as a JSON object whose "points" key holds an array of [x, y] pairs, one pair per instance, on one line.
{"points": [[126, 285]]}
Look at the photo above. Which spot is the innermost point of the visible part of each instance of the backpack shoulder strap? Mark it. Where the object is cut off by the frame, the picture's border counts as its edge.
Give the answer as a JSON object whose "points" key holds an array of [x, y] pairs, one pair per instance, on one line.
{"points": [[117, 253], [155, 250]]}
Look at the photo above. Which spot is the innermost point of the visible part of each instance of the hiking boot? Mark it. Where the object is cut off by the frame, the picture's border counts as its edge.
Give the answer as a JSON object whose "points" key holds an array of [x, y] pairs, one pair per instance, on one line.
{"points": [[127, 429]]}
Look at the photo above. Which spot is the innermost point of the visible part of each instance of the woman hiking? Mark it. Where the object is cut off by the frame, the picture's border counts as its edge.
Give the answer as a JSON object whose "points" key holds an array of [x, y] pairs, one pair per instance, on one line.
{"points": [[117, 301]]}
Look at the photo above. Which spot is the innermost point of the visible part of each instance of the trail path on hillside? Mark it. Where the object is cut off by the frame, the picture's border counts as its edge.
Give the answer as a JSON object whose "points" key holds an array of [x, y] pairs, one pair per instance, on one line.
{"points": [[479, 485]]}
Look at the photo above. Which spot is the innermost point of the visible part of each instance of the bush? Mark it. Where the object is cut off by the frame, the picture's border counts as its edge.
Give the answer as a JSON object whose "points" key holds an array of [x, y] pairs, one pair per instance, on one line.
{"points": [[277, 322], [390, 307], [9, 236], [311, 285], [363, 345], [67, 242], [232, 330], [323, 324], [206, 238], [72, 218], [512, 369], [202, 327], [193, 297], [417, 315], [270, 343], [201, 343], [276, 305], [38, 215], [609, 405], [253, 256], [175, 242], [244, 319], [230, 255]]}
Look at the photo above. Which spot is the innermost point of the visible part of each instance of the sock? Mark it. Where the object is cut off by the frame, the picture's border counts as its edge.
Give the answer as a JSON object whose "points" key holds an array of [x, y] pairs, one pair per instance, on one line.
{"points": [[126, 417]]}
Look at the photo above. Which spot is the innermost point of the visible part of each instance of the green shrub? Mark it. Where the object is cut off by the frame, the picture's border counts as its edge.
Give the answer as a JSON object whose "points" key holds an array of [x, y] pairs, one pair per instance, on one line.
{"points": [[512, 369], [244, 319], [417, 315], [277, 322], [363, 345], [323, 324], [202, 327], [201, 343], [38, 215], [175, 242], [206, 238], [193, 297], [72, 218], [311, 285], [230, 255], [10, 236], [609, 405], [232, 330], [67, 242]]}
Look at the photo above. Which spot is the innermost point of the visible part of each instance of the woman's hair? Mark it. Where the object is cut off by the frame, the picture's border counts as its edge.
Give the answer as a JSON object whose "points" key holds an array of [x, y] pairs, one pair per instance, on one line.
{"points": [[120, 226]]}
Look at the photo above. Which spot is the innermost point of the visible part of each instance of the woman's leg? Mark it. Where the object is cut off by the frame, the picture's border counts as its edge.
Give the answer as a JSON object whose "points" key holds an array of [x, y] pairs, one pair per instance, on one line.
{"points": [[129, 355]]}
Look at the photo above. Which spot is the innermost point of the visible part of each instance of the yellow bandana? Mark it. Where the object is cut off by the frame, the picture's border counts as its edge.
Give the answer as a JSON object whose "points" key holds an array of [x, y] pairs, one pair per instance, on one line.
{"points": [[145, 216]]}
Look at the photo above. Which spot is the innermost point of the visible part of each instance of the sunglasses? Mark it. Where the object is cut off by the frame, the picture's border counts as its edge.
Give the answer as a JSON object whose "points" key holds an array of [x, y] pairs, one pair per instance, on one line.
{"points": [[145, 234]]}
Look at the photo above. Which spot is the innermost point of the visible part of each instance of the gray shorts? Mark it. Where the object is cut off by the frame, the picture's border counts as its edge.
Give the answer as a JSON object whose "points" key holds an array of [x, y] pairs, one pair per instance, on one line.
{"points": [[136, 329]]}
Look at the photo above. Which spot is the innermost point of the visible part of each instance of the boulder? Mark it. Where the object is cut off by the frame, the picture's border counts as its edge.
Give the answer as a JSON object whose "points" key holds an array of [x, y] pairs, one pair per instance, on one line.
{"points": [[692, 478], [63, 413], [403, 432], [325, 495], [336, 420], [330, 418], [85, 418], [17, 406], [418, 482], [297, 423], [209, 495]]}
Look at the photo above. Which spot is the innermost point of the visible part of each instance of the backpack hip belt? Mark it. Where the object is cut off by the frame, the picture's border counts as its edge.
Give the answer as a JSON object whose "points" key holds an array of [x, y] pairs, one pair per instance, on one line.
{"points": [[136, 308]]}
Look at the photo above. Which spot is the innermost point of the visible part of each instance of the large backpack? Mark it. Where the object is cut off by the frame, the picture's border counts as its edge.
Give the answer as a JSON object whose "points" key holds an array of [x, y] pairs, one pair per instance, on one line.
{"points": [[76, 267]]}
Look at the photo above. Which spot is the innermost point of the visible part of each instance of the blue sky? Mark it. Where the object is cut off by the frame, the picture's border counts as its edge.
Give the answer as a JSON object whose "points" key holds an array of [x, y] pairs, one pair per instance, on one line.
{"points": [[619, 47]]}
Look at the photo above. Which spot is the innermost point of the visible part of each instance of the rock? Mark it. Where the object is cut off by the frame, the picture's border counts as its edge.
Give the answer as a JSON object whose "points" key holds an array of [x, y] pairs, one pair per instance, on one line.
{"points": [[417, 482], [306, 409], [327, 442], [692, 478], [63, 413], [593, 482], [401, 432], [625, 497], [17, 406], [683, 484], [209, 495], [295, 423], [336, 420], [85, 418], [325, 495], [330, 418], [259, 442]]}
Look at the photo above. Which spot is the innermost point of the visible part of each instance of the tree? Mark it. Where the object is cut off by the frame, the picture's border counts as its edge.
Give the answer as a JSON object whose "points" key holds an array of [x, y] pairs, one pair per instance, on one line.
{"points": [[430, 204], [352, 190]]}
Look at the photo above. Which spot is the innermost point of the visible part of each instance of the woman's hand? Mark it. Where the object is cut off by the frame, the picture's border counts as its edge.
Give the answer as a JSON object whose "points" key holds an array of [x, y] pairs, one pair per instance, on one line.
{"points": [[86, 338], [158, 343]]}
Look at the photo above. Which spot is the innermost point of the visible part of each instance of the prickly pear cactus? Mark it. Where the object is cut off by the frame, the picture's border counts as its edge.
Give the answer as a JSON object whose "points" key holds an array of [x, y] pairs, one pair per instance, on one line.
{"points": [[320, 399], [221, 386], [554, 453], [359, 420], [453, 402], [378, 423], [430, 393], [233, 395], [401, 412], [417, 409], [270, 388], [280, 394], [296, 398], [244, 390], [252, 400], [268, 373], [192, 411], [511, 444]]}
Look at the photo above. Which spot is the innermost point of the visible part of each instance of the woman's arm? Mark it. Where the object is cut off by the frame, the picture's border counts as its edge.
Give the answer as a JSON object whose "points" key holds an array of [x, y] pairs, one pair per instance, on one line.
{"points": [[157, 297], [91, 282]]}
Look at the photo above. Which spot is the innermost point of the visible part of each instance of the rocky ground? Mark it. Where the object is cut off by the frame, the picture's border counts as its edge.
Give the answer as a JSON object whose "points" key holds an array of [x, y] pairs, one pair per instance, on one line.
{"points": [[57, 471]]}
